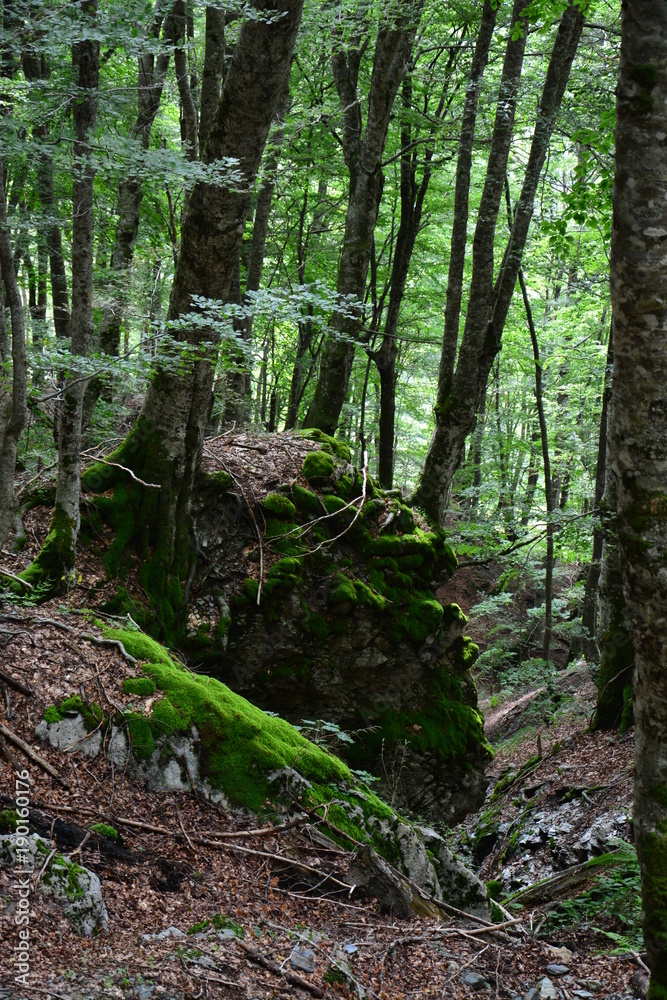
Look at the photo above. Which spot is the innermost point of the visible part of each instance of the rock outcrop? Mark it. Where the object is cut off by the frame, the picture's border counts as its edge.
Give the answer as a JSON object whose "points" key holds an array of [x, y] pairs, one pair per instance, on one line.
{"points": [[313, 594]]}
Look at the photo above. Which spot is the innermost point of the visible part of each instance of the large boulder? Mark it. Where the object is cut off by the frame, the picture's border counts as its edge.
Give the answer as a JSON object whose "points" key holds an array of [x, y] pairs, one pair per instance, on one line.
{"points": [[318, 606]]}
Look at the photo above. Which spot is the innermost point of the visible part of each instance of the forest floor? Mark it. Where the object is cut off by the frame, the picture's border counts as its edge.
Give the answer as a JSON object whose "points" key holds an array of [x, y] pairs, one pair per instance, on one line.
{"points": [[167, 881]]}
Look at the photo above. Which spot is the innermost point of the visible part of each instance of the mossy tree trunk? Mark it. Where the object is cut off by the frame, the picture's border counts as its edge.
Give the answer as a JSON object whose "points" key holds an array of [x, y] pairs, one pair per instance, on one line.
{"points": [[460, 389], [639, 432], [13, 410], [164, 447], [362, 148], [56, 558]]}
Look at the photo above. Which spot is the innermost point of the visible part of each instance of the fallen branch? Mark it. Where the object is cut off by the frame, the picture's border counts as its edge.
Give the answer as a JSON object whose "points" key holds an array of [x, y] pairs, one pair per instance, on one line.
{"points": [[263, 831], [277, 857], [23, 688], [117, 465], [32, 754], [267, 963]]}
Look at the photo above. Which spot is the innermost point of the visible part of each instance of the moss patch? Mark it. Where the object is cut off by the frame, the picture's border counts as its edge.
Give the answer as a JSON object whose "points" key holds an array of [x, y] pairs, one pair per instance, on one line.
{"points": [[334, 446], [317, 465], [279, 505], [104, 830], [143, 686]]}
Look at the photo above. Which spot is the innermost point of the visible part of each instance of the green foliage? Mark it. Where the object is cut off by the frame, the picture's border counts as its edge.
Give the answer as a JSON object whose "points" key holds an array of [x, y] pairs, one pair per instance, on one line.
{"points": [[611, 906], [317, 465]]}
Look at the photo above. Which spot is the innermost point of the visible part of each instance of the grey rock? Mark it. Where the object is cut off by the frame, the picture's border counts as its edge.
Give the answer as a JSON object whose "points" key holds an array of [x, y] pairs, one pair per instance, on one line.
{"points": [[303, 959], [459, 886], [532, 994], [547, 990], [63, 879], [583, 994], [475, 981], [168, 932], [557, 970], [70, 734], [205, 961]]}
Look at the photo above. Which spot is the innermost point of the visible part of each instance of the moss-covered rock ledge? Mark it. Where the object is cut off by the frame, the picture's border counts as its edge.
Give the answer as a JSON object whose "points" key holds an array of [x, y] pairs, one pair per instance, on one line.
{"points": [[313, 605], [194, 731]]}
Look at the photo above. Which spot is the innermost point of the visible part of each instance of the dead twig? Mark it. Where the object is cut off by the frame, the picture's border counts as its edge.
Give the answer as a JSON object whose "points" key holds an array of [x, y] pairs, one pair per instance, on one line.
{"points": [[13, 576], [32, 754], [267, 963], [17, 685], [117, 465]]}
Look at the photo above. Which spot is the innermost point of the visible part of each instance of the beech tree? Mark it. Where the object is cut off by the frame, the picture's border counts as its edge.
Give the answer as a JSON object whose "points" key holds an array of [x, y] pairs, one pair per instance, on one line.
{"points": [[639, 433], [164, 447], [462, 379]]}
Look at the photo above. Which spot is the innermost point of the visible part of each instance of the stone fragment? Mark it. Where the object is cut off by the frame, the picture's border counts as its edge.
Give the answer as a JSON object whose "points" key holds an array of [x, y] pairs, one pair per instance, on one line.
{"points": [[303, 959], [557, 970], [475, 981], [547, 990]]}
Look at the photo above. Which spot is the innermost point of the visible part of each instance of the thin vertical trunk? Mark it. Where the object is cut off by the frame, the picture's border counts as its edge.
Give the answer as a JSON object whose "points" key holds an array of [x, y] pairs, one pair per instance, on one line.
{"points": [[548, 485], [214, 62], [477, 453], [488, 303], [363, 150], [57, 557], [589, 607], [13, 410], [179, 39]]}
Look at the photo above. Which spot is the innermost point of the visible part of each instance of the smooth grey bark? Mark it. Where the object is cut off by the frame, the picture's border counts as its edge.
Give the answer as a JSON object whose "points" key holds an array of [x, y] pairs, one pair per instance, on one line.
{"points": [[166, 442], [214, 63], [237, 382], [459, 239], [151, 73], [13, 409], [362, 149], [639, 432], [56, 559], [458, 398]]}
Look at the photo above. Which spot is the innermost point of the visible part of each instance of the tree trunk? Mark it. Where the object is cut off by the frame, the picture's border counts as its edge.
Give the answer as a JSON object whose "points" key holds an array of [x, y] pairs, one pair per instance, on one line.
{"points": [[150, 81], [639, 433], [548, 484], [363, 150], [589, 617], [237, 383], [57, 557], [488, 304], [165, 445], [13, 411], [214, 63]]}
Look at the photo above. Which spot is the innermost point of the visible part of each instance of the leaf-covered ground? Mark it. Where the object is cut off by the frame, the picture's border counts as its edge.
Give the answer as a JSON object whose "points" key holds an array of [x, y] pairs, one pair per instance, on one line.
{"points": [[174, 880]]}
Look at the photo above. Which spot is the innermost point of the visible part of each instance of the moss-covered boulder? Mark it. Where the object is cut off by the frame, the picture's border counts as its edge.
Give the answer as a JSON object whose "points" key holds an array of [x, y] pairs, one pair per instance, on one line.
{"points": [[341, 622], [312, 593], [198, 733]]}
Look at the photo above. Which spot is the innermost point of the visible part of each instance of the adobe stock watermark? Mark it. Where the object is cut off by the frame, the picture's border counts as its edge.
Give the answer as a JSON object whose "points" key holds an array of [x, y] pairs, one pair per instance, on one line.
{"points": [[22, 872]]}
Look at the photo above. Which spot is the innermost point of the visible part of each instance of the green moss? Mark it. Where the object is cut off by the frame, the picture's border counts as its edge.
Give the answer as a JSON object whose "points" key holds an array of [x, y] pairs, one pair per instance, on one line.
{"points": [[239, 744], [452, 613], [53, 715], [420, 617], [143, 686], [251, 589], [333, 504], [140, 733], [368, 597], [652, 850], [55, 561], [279, 505], [342, 590], [317, 465], [329, 444], [9, 820], [104, 830], [92, 714], [316, 625], [618, 657], [305, 500], [218, 481]]}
